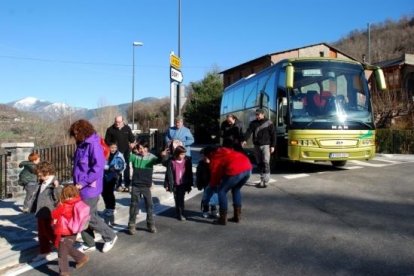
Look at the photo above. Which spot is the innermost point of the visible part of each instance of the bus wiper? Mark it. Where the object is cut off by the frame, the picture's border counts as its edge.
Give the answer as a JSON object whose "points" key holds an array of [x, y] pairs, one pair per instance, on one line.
{"points": [[311, 122], [360, 122]]}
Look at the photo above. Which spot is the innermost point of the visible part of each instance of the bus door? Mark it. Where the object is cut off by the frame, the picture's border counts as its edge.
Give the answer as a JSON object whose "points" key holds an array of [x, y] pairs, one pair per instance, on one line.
{"points": [[281, 130]]}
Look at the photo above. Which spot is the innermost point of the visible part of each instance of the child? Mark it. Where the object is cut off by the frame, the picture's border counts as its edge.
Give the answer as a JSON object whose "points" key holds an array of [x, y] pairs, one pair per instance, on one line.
{"points": [[65, 238], [28, 178], [142, 163], [45, 201], [113, 169], [202, 181], [178, 178]]}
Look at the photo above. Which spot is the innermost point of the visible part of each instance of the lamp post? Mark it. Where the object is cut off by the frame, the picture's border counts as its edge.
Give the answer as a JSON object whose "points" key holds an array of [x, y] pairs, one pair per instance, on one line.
{"points": [[134, 44]]}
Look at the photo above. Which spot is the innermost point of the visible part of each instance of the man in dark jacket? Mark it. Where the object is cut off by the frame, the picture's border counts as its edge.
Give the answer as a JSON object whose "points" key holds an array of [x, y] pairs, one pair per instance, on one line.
{"points": [[264, 140], [232, 133], [122, 135]]}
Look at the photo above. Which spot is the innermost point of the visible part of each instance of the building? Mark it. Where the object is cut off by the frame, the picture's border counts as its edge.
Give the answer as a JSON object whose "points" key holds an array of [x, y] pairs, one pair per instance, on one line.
{"points": [[399, 76], [233, 74]]}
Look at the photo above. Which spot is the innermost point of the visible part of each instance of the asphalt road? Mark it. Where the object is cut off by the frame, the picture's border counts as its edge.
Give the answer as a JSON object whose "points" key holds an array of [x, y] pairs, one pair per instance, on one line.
{"points": [[312, 220]]}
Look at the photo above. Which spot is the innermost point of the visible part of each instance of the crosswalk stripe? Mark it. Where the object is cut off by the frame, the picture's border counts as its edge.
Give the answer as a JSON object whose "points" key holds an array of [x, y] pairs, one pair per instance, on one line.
{"points": [[352, 167], [362, 163], [387, 160], [293, 176]]}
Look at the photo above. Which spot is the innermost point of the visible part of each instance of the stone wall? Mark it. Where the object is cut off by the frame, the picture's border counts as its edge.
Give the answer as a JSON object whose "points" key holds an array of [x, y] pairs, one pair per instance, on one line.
{"points": [[18, 152]]}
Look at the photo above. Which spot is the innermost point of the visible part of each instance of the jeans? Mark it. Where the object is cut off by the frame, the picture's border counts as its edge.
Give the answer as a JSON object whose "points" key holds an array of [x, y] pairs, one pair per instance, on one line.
{"points": [[210, 196], [96, 224], [66, 249], [108, 193], [233, 183], [126, 175], [134, 207], [179, 194], [262, 154], [31, 189]]}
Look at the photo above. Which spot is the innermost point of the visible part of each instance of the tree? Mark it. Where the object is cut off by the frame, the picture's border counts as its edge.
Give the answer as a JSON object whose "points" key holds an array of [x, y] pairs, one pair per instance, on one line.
{"points": [[202, 109]]}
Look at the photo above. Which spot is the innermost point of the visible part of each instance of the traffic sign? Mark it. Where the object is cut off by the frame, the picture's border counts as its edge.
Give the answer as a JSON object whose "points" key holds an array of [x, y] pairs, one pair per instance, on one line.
{"points": [[175, 61], [176, 75]]}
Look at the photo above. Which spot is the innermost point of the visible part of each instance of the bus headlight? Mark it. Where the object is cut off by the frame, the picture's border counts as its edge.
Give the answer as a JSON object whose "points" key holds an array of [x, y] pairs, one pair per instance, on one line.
{"points": [[302, 142], [367, 142]]}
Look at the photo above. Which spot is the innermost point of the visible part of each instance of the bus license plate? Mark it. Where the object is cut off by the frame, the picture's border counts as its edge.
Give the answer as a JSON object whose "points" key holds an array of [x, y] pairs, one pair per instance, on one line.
{"points": [[338, 155]]}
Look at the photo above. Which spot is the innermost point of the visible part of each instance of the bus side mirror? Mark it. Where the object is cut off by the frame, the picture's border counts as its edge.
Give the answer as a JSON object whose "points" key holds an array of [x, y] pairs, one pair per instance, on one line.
{"points": [[289, 76], [379, 77]]}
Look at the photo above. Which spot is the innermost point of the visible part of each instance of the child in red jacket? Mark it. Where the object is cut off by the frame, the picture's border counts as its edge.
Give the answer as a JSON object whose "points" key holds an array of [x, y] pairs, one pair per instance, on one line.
{"points": [[65, 239]]}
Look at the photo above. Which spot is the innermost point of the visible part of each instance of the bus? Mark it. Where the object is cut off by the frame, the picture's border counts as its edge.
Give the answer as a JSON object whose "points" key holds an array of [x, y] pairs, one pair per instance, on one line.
{"points": [[321, 107]]}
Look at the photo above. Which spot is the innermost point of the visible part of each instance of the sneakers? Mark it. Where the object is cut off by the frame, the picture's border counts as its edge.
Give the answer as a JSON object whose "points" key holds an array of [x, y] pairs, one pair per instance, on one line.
{"points": [[82, 262], [120, 189], [205, 215], [108, 245], [85, 248], [45, 256], [261, 184], [214, 213], [132, 230]]}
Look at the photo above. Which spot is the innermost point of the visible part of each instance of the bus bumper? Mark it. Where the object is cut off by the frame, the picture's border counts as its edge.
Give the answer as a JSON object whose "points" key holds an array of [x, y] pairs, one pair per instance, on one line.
{"points": [[301, 153]]}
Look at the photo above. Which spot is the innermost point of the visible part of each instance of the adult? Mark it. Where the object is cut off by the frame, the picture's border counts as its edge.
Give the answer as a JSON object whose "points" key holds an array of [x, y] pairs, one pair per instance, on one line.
{"points": [[264, 141], [179, 133], [88, 172], [232, 133], [230, 170], [122, 135]]}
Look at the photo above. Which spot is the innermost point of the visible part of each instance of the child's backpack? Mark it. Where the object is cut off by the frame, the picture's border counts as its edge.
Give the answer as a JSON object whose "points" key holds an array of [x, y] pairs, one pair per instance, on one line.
{"points": [[80, 218]]}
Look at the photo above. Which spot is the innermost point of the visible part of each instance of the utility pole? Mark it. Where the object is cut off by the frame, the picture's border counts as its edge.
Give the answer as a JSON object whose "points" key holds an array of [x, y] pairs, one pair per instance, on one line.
{"points": [[178, 90], [369, 43]]}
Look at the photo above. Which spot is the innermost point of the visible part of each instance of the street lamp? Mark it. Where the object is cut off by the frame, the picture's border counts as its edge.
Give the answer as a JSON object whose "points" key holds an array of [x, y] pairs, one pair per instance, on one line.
{"points": [[134, 44]]}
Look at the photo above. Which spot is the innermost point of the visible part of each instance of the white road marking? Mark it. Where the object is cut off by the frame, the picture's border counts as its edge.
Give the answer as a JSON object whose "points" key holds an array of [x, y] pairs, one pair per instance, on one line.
{"points": [[362, 163], [387, 160], [298, 175], [352, 167]]}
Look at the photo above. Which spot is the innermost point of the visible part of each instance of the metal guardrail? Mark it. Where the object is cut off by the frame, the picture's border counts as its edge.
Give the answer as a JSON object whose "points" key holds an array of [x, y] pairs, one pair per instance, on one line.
{"points": [[62, 159], [3, 176], [395, 141]]}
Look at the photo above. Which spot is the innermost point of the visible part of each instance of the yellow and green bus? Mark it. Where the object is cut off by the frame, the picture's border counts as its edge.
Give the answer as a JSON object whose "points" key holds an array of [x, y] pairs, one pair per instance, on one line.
{"points": [[321, 107]]}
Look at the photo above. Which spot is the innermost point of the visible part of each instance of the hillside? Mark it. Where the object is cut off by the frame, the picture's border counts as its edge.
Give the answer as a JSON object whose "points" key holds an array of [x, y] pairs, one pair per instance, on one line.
{"points": [[389, 40]]}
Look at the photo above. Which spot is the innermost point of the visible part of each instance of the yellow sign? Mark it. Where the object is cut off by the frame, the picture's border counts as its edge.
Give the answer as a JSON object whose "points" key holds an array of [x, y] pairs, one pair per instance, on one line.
{"points": [[175, 61]]}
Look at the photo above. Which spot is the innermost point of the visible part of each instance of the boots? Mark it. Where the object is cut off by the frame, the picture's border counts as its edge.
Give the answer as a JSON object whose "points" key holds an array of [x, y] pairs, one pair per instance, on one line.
{"points": [[222, 220], [237, 213], [179, 212]]}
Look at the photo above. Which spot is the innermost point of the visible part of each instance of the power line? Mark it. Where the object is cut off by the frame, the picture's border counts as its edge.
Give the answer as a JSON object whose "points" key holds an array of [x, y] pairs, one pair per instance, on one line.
{"points": [[96, 63]]}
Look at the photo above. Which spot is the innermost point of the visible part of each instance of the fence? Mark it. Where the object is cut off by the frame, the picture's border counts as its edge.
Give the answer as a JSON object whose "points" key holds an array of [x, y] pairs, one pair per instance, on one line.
{"points": [[395, 141], [62, 159], [60, 156], [3, 176], [156, 141]]}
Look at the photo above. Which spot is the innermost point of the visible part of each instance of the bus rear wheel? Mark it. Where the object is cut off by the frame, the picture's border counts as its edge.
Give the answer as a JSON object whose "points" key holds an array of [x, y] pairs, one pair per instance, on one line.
{"points": [[338, 163]]}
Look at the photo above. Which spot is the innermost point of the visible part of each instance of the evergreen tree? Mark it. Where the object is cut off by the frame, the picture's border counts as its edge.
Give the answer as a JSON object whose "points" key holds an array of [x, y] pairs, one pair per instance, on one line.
{"points": [[202, 110]]}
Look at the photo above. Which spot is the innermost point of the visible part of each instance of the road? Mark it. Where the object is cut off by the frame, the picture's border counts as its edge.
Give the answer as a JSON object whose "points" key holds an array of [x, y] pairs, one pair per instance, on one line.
{"points": [[313, 219]]}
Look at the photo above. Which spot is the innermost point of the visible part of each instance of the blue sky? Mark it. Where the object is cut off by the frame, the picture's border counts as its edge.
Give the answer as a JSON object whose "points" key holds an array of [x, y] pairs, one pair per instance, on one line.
{"points": [[80, 52]]}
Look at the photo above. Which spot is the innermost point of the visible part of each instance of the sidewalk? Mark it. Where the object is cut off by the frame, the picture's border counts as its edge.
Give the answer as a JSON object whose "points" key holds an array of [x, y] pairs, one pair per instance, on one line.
{"points": [[18, 236]]}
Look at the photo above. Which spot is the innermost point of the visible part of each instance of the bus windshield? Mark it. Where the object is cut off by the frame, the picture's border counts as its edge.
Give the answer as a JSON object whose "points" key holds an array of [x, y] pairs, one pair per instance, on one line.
{"points": [[329, 91]]}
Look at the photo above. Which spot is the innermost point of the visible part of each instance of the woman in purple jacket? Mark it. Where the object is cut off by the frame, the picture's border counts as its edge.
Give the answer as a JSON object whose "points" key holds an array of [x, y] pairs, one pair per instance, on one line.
{"points": [[88, 172]]}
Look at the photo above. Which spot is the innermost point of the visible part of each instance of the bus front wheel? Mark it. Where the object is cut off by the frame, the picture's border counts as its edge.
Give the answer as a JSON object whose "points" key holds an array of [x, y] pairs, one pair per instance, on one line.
{"points": [[338, 163]]}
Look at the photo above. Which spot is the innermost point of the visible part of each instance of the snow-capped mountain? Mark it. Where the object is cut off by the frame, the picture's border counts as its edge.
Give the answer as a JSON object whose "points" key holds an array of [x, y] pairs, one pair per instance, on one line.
{"points": [[42, 108]]}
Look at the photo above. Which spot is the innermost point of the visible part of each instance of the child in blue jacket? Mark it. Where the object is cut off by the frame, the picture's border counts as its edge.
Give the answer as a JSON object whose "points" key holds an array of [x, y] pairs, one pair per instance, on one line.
{"points": [[113, 169]]}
